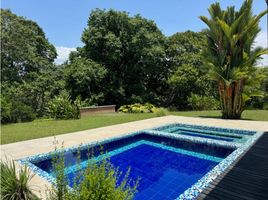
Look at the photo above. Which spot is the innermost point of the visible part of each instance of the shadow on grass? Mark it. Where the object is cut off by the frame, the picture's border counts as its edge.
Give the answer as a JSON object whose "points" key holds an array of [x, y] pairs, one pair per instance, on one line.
{"points": [[219, 117], [207, 116]]}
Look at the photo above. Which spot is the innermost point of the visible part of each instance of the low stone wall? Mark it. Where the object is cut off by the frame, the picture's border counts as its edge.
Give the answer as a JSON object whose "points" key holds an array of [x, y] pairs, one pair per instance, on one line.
{"points": [[97, 109]]}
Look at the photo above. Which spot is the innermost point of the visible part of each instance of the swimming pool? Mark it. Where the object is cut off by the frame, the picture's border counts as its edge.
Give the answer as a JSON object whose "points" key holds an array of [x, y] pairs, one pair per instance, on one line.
{"points": [[229, 135], [169, 164]]}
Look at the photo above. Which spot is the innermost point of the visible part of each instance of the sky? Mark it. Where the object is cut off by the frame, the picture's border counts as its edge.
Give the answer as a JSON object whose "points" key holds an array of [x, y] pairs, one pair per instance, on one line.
{"points": [[63, 21]]}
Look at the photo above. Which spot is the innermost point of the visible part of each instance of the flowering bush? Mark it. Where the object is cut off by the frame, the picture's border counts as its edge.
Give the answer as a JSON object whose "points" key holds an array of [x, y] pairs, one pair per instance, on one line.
{"points": [[138, 108]]}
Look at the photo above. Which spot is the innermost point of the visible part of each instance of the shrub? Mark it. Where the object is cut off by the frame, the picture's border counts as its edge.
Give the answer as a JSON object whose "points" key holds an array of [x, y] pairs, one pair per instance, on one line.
{"points": [[138, 108], [6, 107], [15, 111], [265, 106], [15, 187], [62, 107], [100, 181], [198, 102], [22, 113], [161, 112]]}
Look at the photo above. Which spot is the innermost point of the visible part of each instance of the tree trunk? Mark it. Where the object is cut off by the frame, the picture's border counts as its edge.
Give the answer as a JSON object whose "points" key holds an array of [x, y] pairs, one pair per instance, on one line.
{"points": [[231, 99]]}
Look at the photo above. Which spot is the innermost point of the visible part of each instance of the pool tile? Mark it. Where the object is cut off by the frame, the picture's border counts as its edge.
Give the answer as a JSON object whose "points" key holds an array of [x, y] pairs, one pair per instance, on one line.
{"points": [[163, 171]]}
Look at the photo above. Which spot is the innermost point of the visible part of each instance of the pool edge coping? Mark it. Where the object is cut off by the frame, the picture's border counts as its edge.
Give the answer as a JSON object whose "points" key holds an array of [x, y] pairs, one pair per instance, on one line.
{"points": [[191, 192]]}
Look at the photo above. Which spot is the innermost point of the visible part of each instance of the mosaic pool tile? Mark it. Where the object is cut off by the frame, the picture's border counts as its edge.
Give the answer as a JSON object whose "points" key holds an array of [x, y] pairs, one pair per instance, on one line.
{"points": [[193, 189]]}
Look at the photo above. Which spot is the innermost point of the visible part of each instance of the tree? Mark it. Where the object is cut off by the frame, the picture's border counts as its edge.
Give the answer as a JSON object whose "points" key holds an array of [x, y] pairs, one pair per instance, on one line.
{"points": [[185, 48], [35, 94], [85, 78], [186, 75], [29, 77], [132, 51], [261, 85], [229, 54], [24, 48], [182, 82]]}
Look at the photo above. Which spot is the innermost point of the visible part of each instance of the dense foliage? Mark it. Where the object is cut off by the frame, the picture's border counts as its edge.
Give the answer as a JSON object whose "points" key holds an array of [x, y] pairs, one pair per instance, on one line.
{"points": [[198, 102], [231, 57], [187, 74], [61, 107], [259, 101], [84, 79], [131, 50], [29, 78], [124, 60], [24, 48]]}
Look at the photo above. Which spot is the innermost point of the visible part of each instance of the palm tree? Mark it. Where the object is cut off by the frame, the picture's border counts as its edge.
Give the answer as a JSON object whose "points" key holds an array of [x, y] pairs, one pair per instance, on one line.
{"points": [[229, 53]]}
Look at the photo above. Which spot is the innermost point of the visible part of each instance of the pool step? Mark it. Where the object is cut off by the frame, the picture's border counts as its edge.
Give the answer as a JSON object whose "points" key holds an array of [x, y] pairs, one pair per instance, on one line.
{"points": [[205, 136], [231, 135]]}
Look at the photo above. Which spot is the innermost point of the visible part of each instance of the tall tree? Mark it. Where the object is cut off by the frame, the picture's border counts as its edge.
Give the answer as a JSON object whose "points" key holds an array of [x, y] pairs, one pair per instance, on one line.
{"points": [[84, 78], [132, 51], [186, 75], [29, 78], [185, 48], [24, 48], [230, 54]]}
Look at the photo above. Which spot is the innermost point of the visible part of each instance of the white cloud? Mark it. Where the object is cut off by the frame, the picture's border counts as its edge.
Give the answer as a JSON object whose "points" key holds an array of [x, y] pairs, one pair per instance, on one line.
{"points": [[262, 40], [63, 54]]}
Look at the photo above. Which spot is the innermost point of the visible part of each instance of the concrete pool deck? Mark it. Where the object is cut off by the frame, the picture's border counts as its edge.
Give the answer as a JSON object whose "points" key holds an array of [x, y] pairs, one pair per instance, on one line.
{"points": [[27, 148]]}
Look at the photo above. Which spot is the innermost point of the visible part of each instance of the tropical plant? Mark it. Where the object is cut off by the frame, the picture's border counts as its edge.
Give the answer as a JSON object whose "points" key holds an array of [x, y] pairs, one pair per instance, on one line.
{"points": [[230, 55], [14, 182], [61, 107]]}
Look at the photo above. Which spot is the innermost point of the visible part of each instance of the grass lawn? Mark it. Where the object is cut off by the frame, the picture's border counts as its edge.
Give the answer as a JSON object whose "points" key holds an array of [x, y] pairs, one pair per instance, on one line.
{"points": [[257, 115], [43, 128]]}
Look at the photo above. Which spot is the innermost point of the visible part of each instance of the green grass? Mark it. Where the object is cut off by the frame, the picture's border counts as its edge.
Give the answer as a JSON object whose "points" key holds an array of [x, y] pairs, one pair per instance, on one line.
{"points": [[43, 128], [257, 115]]}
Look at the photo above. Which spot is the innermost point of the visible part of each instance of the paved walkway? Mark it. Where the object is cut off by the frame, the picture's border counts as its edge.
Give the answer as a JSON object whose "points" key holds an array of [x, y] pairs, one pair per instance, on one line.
{"points": [[44, 145]]}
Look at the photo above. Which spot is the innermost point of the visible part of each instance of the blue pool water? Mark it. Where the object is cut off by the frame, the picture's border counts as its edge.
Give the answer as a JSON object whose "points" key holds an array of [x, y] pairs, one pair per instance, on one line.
{"points": [[166, 167], [228, 135], [164, 174]]}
